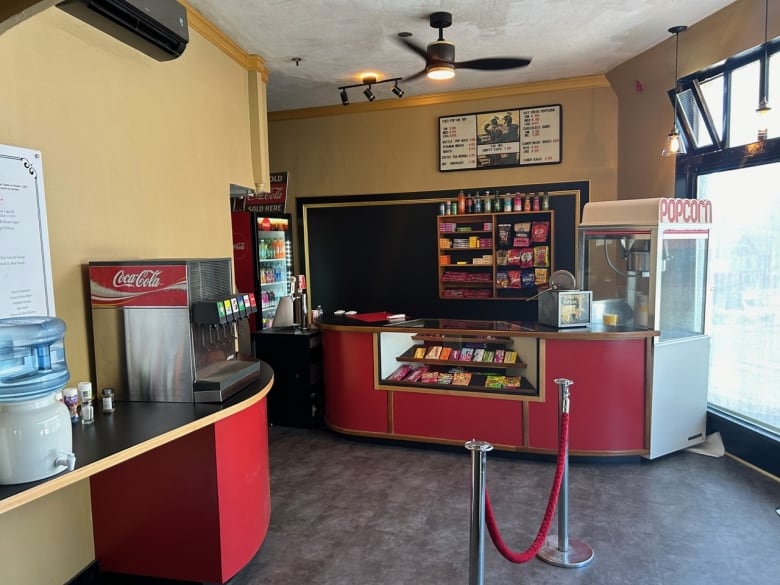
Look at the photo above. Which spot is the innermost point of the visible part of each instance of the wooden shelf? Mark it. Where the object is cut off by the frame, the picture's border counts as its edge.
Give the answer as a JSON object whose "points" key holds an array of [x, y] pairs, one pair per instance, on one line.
{"points": [[491, 291], [525, 389], [464, 364]]}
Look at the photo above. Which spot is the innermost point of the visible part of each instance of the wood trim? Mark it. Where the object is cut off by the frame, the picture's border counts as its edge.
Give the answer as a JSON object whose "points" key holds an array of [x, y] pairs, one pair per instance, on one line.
{"points": [[216, 37], [556, 85]]}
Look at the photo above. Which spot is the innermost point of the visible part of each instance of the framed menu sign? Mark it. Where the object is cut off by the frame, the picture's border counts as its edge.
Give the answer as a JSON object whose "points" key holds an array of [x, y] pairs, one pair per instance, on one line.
{"points": [[505, 138], [25, 266]]}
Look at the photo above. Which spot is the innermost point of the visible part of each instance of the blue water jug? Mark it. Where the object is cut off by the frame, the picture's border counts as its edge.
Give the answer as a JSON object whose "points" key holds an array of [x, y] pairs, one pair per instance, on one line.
{"points": [[32, 357]]}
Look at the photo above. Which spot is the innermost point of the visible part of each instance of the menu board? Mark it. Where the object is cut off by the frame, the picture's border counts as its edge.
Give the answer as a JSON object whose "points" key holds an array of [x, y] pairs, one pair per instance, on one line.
{"points": [[506, 138], [25, 264]]}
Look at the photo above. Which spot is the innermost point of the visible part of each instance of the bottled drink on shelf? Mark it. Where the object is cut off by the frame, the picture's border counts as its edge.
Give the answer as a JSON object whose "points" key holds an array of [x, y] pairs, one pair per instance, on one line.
{"points": [[461, 202]]}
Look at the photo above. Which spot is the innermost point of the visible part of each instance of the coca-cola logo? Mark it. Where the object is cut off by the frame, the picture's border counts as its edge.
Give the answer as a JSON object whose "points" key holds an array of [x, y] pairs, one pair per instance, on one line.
{"points": [[143, 279], [239, 246]]}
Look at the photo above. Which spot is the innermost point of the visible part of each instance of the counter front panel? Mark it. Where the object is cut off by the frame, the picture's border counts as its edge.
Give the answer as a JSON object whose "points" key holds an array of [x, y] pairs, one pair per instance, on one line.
{"points": [[369, 391]]}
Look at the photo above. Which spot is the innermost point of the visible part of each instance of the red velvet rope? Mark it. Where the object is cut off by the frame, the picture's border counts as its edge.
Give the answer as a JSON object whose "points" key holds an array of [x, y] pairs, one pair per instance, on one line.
{"points": [[532, 551]]}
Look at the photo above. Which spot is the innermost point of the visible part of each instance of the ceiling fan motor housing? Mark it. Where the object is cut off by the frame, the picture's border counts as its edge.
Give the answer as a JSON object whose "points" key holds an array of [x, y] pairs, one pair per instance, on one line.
{"points": [[441, 51]]}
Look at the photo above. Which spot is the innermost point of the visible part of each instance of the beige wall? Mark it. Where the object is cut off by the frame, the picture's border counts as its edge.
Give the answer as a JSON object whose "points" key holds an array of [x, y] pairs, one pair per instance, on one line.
{"points": [[612, 136], [646, 116], [363, 150], [137, 158]]}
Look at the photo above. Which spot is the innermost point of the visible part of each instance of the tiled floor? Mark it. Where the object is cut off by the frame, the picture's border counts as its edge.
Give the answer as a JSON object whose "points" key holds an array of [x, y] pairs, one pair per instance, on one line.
{"points": [[349, 512]]}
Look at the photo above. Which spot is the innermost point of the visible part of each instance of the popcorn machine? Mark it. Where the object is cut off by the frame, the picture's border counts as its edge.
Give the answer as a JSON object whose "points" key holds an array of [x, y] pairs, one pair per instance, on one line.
{"points": [[646, 263], [166, 330]]}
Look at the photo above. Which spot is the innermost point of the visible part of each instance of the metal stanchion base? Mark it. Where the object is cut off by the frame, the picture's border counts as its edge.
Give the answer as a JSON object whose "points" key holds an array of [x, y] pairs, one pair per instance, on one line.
{"points": [[578, 555]]}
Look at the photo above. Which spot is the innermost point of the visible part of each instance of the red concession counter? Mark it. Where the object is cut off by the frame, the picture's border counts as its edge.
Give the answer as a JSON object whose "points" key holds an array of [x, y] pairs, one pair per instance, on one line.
{"points": [[376, 383]]}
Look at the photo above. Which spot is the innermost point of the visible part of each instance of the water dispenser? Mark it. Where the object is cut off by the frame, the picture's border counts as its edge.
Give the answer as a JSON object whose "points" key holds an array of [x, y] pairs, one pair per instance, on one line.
{"points": [[36, 438]]}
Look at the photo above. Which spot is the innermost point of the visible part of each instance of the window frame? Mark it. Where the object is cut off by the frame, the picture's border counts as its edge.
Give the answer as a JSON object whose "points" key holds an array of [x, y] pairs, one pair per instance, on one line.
{"points": [[692, 82]]}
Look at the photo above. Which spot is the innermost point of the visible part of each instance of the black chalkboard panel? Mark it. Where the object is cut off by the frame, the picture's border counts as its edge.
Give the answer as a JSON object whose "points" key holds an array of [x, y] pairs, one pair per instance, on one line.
{"points": [[380, 252]]}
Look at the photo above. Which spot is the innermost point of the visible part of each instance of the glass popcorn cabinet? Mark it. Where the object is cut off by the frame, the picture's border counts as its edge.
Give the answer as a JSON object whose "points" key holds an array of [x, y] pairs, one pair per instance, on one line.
{"points": [[645, 261]]}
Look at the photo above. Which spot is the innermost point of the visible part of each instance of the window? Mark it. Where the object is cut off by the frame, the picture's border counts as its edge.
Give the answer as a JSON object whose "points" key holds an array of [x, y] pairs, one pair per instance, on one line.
{"points": [[741, 175], [718, 105]]}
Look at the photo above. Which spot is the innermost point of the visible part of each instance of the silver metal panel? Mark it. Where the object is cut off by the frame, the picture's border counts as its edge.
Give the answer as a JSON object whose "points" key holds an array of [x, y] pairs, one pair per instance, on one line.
{"points": [[160, 365]]}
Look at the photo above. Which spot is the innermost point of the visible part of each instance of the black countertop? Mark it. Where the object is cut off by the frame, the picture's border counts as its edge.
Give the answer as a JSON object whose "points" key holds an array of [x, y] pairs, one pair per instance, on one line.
{"points": [[132, 424], [468, 325]]}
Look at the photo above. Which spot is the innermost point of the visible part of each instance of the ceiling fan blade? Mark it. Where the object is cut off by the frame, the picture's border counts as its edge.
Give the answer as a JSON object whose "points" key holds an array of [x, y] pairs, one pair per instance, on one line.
{"points": [[414, 46], [493, 63]]}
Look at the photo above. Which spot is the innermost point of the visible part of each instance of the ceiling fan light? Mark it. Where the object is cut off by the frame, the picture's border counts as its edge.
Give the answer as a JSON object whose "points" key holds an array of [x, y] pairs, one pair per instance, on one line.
{"points": [[439, 72]]}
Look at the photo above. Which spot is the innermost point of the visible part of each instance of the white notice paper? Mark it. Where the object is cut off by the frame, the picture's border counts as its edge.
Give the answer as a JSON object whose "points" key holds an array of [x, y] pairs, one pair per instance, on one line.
{"points": [[25, 264]]}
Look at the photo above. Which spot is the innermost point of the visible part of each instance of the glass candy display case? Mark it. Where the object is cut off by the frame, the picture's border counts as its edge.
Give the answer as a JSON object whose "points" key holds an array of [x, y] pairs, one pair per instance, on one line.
{"points": [[645, 261]]}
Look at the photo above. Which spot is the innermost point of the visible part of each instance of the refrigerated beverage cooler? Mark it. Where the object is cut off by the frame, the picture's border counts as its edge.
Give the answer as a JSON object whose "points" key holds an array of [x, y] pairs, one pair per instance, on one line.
{"points": [[167, 330], [646, 263], [262, 251]]}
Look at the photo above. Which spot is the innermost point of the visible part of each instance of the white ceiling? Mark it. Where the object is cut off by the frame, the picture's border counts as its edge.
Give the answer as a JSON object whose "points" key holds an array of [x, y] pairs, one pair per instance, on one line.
{"points": [[337, 40]]}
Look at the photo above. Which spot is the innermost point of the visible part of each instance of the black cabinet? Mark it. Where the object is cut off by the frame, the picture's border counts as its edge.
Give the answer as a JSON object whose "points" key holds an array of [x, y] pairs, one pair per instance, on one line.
{"points": [[296, 398]]}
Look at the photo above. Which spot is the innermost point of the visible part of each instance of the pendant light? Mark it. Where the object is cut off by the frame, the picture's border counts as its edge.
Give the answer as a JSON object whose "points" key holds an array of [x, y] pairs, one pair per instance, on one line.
{"points": [[674, 144], [763, 103]]}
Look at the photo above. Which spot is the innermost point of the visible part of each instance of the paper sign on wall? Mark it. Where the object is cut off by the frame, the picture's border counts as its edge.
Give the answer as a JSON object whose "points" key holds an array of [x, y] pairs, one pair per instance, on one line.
{"points": [[25, 263]]}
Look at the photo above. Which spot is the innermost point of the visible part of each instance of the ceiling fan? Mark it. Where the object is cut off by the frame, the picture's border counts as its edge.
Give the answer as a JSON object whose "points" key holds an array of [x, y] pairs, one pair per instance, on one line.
{"points": [[440, 54]]}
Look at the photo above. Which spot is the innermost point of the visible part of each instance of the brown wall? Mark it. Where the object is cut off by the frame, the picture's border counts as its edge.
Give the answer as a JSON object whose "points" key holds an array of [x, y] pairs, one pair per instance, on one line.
{"points": [[646, 116]]}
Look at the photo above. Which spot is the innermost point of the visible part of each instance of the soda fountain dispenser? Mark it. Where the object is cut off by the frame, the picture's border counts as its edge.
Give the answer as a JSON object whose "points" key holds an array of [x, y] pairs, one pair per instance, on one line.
{"points": [[166, 330]]}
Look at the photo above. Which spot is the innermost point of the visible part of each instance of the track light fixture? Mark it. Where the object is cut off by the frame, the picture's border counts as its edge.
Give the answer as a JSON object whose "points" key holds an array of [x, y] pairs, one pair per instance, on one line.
{"points": [[674, 144], [368, 81]]}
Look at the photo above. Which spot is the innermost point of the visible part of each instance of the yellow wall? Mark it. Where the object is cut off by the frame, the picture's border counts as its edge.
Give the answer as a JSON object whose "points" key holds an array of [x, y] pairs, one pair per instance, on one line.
{"points": [[137, 159], [363, 150], [612, 136]]}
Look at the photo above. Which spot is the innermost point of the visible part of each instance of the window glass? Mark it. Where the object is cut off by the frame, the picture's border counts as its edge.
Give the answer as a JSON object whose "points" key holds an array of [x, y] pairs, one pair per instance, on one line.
{"points": [[744, 101], [774, 96], [743, 313], [712, 91]]}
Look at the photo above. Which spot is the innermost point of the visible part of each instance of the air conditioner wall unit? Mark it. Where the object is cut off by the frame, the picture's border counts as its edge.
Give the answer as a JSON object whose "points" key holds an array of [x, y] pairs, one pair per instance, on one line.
{"points": [[157, 28]]}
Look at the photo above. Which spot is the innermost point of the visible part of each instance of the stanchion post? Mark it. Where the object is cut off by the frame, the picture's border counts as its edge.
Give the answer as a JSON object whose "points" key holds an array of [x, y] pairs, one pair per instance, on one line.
{"points": [[479, 451], [561, 550]]}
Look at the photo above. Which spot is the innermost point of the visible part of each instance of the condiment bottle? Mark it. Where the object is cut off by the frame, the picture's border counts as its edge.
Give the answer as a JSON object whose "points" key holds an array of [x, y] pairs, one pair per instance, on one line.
{"points": [[108, 400]]}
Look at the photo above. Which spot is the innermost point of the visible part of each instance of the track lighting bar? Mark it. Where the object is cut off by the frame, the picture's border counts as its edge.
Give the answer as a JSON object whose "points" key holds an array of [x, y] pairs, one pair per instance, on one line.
{"points": [[368, 81]]}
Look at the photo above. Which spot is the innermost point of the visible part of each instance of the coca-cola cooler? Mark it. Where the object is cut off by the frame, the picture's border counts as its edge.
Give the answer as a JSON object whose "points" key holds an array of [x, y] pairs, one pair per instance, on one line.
{"points": [[167, 330], [262, 252]]}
